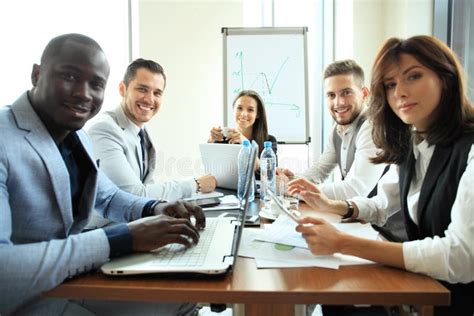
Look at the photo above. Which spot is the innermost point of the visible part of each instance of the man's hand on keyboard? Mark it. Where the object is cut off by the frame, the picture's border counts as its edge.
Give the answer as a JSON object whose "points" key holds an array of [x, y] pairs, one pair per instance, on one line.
{"points": [[181, 209], [157, 231]]}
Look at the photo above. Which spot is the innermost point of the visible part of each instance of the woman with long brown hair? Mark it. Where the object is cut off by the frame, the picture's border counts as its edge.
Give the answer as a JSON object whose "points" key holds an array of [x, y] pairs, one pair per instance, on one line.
{"points": [[424, 126], [251, 122]]}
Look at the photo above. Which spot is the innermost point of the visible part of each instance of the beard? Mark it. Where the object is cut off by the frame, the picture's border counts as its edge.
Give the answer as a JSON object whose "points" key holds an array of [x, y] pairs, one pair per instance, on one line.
{"points": [[346, 121]]}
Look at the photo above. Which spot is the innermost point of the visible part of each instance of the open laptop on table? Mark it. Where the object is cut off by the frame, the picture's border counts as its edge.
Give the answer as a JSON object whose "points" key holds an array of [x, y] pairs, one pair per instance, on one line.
{"points": [[215, 252], [220, 160]]}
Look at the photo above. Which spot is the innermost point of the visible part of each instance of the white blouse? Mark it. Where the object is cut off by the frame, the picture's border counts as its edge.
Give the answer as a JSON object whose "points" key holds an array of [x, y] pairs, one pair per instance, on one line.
{"points": [[449, 258]]}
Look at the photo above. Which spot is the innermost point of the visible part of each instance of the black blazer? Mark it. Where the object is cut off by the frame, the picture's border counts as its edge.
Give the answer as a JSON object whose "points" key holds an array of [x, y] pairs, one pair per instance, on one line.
{"points": [[437, 196]]}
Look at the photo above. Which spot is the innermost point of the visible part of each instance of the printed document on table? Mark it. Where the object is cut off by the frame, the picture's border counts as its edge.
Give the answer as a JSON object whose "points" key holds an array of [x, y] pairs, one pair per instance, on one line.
{"points": [[283, 231], [275, 264], [346, 260], [271, 255]]}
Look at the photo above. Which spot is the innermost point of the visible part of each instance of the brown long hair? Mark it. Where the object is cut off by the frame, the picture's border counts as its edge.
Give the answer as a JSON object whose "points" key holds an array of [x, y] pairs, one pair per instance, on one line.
{"points": [[453, 116], [259, 127]]}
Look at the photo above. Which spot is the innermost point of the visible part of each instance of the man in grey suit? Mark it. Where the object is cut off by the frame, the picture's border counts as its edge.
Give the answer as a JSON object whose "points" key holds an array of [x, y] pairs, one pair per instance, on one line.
{"points": [[122, 143], [49, 185]]}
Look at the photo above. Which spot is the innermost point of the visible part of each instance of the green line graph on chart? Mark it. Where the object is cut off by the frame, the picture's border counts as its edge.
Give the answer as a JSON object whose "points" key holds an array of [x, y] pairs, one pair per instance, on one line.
{"points": [[262, 82]]}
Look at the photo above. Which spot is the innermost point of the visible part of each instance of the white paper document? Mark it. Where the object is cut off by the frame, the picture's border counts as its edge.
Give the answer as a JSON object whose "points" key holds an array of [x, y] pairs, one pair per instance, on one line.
{"points": [[271, 255], [276, 264], [283, 231], [279, 245]]}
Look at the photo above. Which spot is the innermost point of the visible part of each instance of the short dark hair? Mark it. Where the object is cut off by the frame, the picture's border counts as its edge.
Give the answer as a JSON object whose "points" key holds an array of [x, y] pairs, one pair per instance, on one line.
{"points": [[260, 127], [55, 45], [345, 67], [453, 116], [151, 65]]}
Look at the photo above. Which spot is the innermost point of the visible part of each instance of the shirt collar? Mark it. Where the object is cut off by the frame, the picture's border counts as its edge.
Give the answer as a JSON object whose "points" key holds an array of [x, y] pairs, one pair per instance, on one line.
{"points": [[134, 127], [423, 150], [69, 143], [350, 128]]}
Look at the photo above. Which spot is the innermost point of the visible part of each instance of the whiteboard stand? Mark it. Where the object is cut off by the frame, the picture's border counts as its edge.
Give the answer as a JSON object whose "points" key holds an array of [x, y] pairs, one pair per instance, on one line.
{"points": [[272, 61]]}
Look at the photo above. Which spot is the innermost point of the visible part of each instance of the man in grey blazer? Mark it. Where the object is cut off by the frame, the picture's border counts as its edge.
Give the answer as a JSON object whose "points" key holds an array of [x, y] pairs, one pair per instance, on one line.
{"points": [[49, 185], [122, 142]]}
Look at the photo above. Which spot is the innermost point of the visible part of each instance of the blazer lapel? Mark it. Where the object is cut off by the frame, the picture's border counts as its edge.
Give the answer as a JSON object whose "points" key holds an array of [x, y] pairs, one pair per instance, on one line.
{"points": [[89, 192], [130, 135], [437, 164], [405, 175], [44, 145]]}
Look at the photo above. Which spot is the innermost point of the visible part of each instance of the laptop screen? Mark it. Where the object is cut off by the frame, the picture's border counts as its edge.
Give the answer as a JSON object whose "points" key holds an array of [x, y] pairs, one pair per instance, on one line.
{"points": [[221, 161]]}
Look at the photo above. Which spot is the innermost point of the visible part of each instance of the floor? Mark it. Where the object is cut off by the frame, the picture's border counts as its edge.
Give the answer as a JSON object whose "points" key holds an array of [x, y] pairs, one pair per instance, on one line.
{"points": [[313, 310]]}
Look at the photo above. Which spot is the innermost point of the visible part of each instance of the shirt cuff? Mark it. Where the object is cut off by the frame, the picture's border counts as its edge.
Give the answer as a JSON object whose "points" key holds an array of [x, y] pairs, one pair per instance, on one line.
{"points": [[148, 209], [120, 240], [189, 188], [409, 252], [362, 206]]}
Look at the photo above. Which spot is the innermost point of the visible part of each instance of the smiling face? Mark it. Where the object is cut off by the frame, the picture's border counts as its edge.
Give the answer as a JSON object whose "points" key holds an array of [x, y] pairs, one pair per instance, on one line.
{"points": [[142, 97], [344, 98], [68, 87], [245, 112], [413, 92]]}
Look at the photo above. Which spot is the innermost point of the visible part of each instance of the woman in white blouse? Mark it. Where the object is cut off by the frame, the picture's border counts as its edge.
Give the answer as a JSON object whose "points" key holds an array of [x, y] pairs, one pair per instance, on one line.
{"points": [[424, 126]]}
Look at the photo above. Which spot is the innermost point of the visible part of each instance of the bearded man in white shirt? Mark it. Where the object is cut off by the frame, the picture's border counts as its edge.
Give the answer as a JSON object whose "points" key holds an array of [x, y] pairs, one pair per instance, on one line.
{"points": [[350, 142]]}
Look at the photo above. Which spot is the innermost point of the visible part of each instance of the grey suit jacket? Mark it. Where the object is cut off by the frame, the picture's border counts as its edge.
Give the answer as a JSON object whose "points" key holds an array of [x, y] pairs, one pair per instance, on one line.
{"points": [[117, 146], [41, 244]]}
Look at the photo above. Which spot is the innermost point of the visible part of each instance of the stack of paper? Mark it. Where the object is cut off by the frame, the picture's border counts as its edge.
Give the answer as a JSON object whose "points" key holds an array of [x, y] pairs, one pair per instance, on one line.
{"points": [[273, 255], [279, 245]]}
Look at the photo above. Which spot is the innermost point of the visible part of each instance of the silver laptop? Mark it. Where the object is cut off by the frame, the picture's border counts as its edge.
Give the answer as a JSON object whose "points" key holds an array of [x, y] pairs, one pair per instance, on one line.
{"points": [[215, 252], [220, 160]]}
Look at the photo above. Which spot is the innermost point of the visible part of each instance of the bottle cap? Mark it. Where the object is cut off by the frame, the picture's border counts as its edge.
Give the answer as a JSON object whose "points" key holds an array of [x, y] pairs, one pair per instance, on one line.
{"points": [[267, 144], [246, 142]]}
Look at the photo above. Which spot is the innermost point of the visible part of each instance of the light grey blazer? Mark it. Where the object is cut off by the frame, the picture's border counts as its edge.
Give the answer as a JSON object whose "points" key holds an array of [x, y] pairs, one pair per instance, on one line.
{"points": [[41, 244], [117, 146]]}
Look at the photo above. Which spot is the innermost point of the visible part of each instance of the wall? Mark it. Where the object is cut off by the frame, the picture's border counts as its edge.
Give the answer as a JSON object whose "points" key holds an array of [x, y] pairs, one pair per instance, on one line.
{"points": [[377, 20], [369, 25], [344, 29], [185, 38], [26, 26]]}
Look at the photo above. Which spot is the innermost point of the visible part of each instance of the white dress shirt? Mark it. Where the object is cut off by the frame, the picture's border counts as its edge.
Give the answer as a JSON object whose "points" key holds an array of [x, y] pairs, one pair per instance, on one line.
{"points": [[361, 177], [449, 258]]}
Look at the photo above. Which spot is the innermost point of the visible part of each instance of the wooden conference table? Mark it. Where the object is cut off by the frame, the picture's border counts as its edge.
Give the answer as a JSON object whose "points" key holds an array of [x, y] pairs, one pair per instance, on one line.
{"points": [[269, 291]]}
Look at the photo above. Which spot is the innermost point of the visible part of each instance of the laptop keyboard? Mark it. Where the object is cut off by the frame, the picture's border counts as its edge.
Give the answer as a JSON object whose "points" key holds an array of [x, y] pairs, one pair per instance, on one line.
{"points": [[179, 255]]}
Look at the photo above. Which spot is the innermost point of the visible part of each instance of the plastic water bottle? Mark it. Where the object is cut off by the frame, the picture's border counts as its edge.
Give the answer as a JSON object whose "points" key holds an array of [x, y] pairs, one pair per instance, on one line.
{"points": [[243, 163], [267, 173]]}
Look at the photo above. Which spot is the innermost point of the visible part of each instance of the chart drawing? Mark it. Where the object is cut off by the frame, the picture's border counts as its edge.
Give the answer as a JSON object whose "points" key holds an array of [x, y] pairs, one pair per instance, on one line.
{"points": [[274, 65]]}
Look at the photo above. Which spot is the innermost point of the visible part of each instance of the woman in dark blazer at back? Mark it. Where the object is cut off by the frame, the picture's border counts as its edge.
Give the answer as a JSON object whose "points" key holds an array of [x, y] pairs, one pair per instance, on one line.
{"points": [[424, 126]]}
